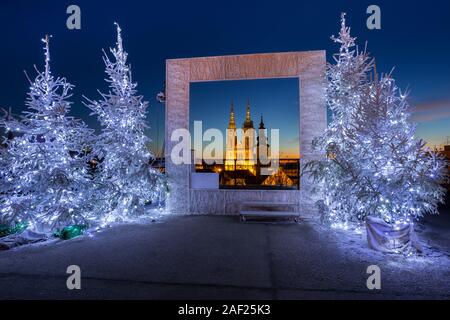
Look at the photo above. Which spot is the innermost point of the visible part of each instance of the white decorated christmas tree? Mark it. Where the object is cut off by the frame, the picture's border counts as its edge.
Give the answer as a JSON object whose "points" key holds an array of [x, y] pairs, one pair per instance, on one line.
{"points": [[122, 148], [375, 165], [46, 168]]}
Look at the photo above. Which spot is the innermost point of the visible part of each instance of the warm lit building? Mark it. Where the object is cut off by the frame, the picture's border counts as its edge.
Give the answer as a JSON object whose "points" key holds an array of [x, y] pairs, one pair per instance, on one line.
{"points": [[280, 178], [231, 143], [243, 165], [240, 146]]}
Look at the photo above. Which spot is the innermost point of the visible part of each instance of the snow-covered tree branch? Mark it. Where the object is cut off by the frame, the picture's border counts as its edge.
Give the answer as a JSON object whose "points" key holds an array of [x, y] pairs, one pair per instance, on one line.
{"points": [[375, 166], [123, 148]]}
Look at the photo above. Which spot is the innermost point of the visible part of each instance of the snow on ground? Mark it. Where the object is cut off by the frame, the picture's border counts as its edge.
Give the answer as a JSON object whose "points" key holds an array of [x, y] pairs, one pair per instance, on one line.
{"points": [[353, 242], [211, 257]]}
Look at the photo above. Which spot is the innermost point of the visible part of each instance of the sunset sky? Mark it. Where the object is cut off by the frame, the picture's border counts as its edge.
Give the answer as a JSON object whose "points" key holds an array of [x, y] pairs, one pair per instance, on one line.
{"points": [[414, 39]]}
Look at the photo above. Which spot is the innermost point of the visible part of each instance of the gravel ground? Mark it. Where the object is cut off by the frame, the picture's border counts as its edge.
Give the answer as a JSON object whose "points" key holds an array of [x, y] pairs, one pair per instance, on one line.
{"points": [[207, 257]]}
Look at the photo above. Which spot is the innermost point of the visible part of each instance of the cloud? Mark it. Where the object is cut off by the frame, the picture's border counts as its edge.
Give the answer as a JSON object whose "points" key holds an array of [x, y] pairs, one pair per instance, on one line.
{"points": [[432, 110]]}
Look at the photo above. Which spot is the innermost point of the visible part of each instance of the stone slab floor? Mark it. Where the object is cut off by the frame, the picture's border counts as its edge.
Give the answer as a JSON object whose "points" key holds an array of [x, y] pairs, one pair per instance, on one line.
{"points": [[206, 257]]}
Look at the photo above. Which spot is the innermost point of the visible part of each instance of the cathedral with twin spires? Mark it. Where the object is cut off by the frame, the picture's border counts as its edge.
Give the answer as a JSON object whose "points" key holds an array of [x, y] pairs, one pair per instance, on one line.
{"points": [[242, 148]]}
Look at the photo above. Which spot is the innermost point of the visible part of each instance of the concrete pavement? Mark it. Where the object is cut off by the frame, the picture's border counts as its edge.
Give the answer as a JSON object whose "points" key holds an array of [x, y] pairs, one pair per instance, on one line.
{"points": [[207, 257]]}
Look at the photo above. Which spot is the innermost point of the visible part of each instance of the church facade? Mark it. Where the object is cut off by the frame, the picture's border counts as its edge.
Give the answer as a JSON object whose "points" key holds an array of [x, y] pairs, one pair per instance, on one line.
{"points": [[243, 146]]}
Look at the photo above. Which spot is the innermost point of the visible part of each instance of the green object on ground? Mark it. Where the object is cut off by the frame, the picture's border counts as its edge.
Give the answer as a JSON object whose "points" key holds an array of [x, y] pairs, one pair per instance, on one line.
{"points": [[70, 232], [6, 230]]}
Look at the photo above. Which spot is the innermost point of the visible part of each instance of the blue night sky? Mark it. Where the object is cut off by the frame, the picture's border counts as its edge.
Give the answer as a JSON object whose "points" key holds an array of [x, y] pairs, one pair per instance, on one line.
{"points": [[414, 39]]}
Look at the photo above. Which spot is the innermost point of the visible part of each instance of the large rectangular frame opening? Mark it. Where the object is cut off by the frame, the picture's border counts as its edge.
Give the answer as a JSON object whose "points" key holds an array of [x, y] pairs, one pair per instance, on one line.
{"points": [[252, 131], [309, 67]]}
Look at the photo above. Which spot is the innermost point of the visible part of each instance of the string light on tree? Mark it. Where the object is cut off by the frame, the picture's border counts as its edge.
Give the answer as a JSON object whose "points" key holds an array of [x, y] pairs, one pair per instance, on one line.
{"points": [[130, 183], [375, 165], [48, 186]]}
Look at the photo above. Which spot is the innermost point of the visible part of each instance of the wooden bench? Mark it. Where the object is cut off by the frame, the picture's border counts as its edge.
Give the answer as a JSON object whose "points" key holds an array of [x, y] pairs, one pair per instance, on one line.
{"points": [[263, 211]]}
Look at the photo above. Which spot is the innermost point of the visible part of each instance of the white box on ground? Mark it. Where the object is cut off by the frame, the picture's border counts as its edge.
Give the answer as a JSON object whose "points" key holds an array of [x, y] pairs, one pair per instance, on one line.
{"points": [[202, 180]]}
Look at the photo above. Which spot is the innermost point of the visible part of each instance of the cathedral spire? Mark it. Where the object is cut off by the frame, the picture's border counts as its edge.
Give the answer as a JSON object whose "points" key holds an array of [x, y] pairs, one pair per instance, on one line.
{"points": [[248, 120], [247, 114], [261, 124], [232, 123]]}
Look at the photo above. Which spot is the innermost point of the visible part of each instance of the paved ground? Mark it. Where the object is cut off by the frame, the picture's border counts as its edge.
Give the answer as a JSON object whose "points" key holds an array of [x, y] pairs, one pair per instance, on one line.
{"points": [[218, 257]]}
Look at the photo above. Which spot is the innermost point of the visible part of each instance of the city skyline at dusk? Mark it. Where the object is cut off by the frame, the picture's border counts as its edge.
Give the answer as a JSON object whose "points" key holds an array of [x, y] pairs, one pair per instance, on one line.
{"points": [[276, 100]]}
